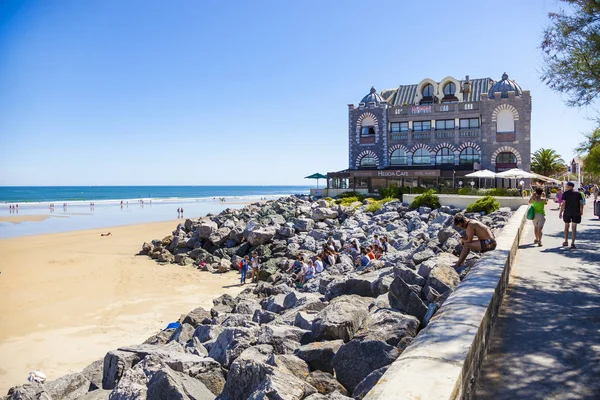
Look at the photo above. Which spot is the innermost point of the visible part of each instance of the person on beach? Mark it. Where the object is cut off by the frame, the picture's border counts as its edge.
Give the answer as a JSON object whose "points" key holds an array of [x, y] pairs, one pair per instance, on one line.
{"points": [[376, 243], [538, 201], [318, 265], [255, 267], [385, 245], [296, 267], [244, 271], [106, 234], [308, 272], [485, 238], [365, 259], [595, 191], [571, 211]]}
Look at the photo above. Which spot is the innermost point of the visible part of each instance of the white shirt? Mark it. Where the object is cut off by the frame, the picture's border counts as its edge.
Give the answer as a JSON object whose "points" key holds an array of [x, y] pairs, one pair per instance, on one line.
{"points": [[319, 266]]}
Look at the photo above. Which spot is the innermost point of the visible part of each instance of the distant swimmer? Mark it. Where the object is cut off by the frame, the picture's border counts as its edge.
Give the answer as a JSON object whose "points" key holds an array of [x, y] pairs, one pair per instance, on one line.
{"points": [[106, 234]]}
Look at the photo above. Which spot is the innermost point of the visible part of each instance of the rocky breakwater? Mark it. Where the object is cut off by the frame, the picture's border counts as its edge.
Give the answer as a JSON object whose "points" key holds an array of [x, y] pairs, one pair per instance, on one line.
{"points": [[331, 339]]}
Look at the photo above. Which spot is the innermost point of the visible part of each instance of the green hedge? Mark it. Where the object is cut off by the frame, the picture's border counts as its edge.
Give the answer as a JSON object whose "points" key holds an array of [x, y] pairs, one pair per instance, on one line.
{"points": [[488, 204], [428, 199]]}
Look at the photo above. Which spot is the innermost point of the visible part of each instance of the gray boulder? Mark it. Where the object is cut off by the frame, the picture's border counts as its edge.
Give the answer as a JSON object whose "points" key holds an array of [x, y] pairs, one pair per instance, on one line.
{"points": [[247, 372], [93, 373], [68, 387], [303, 224], [28, 391], [183, 334], [231, 343], [280, 384], [205, 228], [204, 333], [325, 383], [286, 231], [423, 255], [281, 302], [405, 298], [409, 276], [368, 383], [263, 317], [116, 362], [292, 364], [340, 319], [283, 338], [443, 278], [168, 384], [323, 213], [247, 306], [261, 235], [219, 236], [318, 355]]}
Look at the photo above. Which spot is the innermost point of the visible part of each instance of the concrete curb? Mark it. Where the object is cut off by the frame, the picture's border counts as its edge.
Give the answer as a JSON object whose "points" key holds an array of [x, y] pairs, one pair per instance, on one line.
{"points": [[444, 360]]}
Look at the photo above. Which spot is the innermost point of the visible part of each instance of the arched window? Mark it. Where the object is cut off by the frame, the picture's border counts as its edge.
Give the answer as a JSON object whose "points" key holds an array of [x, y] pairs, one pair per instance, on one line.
{"points": [[506, 158], [469, 155], [367, 126], [421, 157], [449, 93], [428, 90], [399, 157], [444, 156], [505, 122], [368, 162], [449, 89]]}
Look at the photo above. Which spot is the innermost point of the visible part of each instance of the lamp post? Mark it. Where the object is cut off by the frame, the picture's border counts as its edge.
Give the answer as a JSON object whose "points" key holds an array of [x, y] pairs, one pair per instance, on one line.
{"points": [[472, 186], [453, 178]]}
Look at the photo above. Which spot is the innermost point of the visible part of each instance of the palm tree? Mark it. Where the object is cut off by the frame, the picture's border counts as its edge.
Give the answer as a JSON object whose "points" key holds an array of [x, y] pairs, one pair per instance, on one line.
{"points": [[547, 162]]}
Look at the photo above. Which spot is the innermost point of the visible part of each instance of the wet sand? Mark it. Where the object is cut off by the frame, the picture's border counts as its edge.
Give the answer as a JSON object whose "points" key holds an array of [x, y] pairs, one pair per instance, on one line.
{"points": [[68, 298], [16, 219]]}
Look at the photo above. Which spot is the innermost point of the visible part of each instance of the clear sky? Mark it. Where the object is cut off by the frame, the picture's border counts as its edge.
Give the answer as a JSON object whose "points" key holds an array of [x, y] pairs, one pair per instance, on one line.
{"points": [[102, 92]]}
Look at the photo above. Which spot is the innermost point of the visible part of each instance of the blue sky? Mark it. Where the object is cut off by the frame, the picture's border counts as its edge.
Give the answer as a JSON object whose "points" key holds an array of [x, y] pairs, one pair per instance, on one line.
{"points": [[102, 92]]}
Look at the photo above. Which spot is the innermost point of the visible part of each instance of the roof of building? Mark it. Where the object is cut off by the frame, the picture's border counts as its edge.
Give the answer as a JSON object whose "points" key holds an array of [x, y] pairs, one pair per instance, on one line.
{"points": [[372, 97], [405, 94], [504, 86]]}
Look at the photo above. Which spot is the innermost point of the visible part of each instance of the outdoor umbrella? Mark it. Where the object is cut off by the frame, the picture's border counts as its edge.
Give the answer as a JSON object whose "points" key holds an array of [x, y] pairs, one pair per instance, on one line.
{"points": [[515, 173], [485, 173], [316, 176]]}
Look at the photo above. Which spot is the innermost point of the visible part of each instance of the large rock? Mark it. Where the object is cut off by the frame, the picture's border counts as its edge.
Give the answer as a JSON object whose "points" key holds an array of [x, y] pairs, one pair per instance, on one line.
{"points": [[281, 302], [197, 316], [220, 236], [133, 383], [284, 338], [423, 255], [223, 304], [116, 362], [183, 334], [368, 383], [247, 306], [294, 365], [206, 333], [322, 213], [93, 373], [68, 387], [280, 384], [405, 298], [28, 391], [358, 358], [443, 278], [409, 275], [325, 383], [206, 228], [231, 343], [260, 236], [247, 372], [360, 285], [318, 355], [168, 384], [340, 319], [442, 259], [303, 224]]}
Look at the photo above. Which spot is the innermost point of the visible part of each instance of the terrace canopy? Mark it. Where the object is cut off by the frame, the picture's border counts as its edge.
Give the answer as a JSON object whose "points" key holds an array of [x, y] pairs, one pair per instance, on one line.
{"points": [[316, 176]]}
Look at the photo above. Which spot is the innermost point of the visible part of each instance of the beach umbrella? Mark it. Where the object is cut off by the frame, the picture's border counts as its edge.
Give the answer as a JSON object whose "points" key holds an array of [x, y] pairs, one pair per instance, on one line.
{"points": [[484, 173], [515, 173], [316, 176]]}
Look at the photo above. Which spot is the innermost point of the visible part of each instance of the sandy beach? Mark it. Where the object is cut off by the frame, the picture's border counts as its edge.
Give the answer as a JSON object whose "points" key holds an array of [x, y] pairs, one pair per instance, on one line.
{"points": [[68, 298], [17, 219]]}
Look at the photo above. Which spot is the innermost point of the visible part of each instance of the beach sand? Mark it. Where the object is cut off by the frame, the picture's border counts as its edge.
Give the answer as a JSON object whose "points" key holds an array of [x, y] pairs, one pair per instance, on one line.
{"points": [[68, 298]]}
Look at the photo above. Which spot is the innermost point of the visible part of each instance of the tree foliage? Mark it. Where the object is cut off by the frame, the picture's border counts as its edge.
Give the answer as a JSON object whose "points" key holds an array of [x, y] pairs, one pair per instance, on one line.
{"points": [[591, 140], [547, 162], [571, 47]]}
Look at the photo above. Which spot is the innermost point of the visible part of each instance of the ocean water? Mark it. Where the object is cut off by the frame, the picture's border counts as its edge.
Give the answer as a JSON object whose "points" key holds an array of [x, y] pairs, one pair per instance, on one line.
{"points": [[141, 204]]}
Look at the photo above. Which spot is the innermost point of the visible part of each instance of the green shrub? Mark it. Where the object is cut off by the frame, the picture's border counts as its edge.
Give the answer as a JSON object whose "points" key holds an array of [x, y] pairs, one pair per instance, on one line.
{"points": [[464, 191], [349, 194], [418, 190], [428, 199], [346, 201], [373, 206], [488, 204], [393, 191]]}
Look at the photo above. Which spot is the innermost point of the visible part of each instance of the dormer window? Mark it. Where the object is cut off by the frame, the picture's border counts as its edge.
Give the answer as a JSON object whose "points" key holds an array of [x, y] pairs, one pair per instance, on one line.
{"points": [[427, 92], [450, 93]]}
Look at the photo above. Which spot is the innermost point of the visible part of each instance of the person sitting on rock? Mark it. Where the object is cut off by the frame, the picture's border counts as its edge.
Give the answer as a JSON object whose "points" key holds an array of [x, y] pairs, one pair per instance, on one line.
{"points": [[365, 259], [331, 244], [370, 253], [376, 245], [296, 267], [308, 272], [318, 265], [385, 245], [485, 238]]}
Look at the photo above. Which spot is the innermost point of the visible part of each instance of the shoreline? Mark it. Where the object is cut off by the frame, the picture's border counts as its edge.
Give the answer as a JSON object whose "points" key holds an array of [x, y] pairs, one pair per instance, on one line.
{"points": [[68, 298]]}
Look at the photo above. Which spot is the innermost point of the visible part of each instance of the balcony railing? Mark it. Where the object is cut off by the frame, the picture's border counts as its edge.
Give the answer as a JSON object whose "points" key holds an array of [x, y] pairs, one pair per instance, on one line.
{"points": [[399, 135], [468, 133], [444, 134], [422, 135]]}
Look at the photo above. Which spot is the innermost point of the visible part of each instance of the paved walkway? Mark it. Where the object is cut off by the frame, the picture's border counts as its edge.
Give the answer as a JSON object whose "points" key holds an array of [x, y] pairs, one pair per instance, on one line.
{"points": [[546, 344]]}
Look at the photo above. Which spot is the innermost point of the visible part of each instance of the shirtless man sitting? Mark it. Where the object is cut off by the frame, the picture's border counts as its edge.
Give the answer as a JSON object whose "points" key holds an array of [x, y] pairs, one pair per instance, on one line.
{"points": [[485, 238]]}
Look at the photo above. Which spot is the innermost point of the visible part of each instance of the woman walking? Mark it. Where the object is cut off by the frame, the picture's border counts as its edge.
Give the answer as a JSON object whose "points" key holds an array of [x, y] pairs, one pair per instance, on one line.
{"points": [[538, 201]]}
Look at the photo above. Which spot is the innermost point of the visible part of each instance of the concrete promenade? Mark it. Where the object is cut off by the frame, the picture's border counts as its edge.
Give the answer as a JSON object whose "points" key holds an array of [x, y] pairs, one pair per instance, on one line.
{"points": [[546, 343]]}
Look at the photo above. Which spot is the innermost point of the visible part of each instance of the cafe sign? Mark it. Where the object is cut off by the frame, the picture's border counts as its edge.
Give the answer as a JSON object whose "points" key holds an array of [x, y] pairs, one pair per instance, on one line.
{"points": [[396, 173]]}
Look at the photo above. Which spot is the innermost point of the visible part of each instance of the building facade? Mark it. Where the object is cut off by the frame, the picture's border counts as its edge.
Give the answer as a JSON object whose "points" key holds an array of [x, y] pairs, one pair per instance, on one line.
{"points": [[434, 133]]}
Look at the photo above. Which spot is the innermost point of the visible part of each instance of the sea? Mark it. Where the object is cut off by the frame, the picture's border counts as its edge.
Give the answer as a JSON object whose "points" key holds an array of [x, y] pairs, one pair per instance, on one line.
{"points": [[53, 209]]}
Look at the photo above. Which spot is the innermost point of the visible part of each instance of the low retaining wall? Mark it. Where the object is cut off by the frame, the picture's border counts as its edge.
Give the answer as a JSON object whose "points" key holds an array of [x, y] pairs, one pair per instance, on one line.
{"points": [[463, 201], [325, 192], [444, 360]]}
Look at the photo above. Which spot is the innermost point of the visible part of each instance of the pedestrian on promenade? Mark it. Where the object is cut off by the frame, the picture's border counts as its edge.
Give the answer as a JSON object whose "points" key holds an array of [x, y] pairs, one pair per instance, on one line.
{"points": [[559, 195], [538, 201], [571, 211], [485, 238], [595, 192]]}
